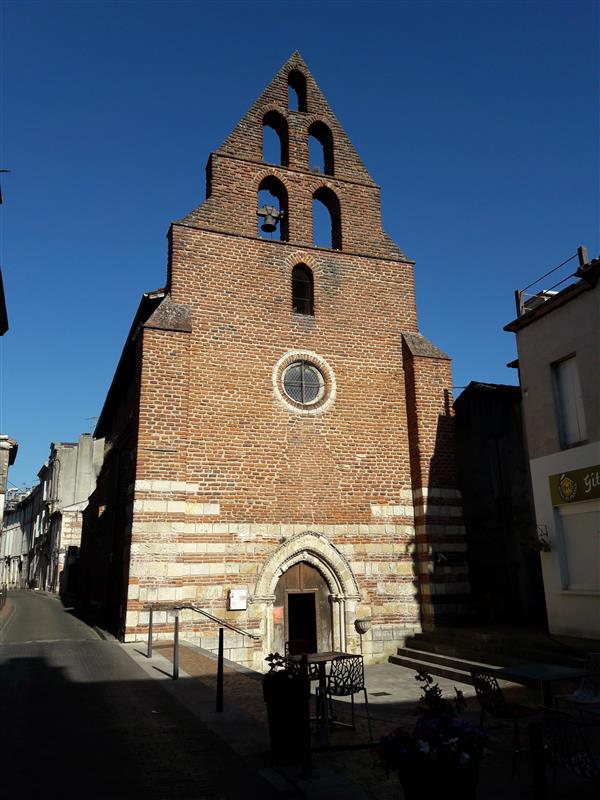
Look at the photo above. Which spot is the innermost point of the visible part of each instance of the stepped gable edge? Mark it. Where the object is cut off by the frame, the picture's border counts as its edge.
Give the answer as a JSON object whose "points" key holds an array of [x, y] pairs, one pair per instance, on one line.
{"points": [[241, 141], [244, 144]]}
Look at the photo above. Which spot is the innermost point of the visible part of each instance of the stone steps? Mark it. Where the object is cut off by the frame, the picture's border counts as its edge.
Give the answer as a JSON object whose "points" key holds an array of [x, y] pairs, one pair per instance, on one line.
{"points": [[452, 653], [493, 649], [457, 669]]}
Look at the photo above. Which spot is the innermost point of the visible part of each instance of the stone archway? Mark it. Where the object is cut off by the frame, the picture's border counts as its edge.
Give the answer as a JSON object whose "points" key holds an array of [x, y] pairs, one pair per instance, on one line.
{"points": [[314, 549]]}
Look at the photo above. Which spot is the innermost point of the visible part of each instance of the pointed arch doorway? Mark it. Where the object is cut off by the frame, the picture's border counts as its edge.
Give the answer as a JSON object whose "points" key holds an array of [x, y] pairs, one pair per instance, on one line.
{"points": [[302, 613]]}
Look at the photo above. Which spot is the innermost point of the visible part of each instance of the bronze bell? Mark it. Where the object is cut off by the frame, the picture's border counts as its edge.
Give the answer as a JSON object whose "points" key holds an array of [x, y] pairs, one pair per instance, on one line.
{"points": [[271, 218], [269, 225]]}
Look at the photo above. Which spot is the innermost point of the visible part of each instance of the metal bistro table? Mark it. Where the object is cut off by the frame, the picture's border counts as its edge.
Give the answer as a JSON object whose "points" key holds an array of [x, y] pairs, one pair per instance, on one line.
{"points": [[544, 675], [321, 659]]}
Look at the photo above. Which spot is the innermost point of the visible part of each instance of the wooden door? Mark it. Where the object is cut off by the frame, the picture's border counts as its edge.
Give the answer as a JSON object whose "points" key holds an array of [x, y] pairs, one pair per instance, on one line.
{"points": [[302, 611]]}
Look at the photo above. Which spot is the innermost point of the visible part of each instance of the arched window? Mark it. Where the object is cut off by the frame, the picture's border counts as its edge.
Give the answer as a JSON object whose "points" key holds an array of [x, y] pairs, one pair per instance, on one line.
{"points": [[272, 194], [296, 91], [327, 219], [275, 149], [302, 290], [320, 148]]}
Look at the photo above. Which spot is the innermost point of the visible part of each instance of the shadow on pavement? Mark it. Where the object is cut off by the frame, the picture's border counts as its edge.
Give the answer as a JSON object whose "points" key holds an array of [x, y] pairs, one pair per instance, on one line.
{"points": [[114, 739]]}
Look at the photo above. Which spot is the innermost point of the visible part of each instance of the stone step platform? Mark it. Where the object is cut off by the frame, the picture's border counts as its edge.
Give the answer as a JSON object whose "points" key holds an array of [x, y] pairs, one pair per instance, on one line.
{"points": [[451, 652], [455, 669], [440, 665], [501, 647]]}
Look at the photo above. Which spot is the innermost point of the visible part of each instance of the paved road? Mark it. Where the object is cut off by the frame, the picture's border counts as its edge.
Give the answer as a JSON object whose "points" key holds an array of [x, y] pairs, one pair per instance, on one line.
{"points": [[81, 719], [39, 617]]}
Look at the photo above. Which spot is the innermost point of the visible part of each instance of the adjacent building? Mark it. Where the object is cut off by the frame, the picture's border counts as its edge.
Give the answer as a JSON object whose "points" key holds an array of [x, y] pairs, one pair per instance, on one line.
{"points": [[8, 453], [502, 542], [21, 527], [42, 530], [558, 343], [279, 434]]}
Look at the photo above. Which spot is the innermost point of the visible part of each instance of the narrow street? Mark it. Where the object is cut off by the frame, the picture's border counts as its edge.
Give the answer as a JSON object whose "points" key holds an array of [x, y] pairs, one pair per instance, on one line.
{"points": [[81, 719], [39, 618]]}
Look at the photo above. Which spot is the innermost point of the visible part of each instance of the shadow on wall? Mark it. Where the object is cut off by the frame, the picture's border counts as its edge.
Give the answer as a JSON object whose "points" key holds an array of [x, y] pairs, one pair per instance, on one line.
{"points": [[103, 569], [440, 567], [498, 506]]}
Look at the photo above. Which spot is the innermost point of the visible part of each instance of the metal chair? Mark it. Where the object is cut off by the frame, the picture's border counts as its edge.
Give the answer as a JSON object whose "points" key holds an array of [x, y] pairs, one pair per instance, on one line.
{"points": [[347, 678], [293, 665], [492, 701], [588, 693], [566, 744]]}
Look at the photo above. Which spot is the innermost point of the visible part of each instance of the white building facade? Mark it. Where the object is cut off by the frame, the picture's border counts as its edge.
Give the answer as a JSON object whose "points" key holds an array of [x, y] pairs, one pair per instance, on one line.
{"points": [[558, 342], [41, 530]]}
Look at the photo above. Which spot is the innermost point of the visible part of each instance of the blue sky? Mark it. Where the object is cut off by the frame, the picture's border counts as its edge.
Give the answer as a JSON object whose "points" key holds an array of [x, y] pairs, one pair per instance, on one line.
{"points": [[478, 119]]}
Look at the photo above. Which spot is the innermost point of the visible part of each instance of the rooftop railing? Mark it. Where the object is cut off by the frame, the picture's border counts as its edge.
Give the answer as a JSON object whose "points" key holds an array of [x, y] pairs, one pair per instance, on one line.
{"points": [[528, 300]]}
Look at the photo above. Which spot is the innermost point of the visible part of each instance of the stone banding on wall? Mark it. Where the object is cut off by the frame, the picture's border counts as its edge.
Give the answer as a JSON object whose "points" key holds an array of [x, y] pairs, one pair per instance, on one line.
{"points": [[168, 487], [314, 548], [170, 558], [234, 484]]}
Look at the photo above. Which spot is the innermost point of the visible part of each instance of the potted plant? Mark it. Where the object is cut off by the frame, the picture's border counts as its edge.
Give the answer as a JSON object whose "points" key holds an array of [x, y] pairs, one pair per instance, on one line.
{"points": [[287, 697], [440, 755]]}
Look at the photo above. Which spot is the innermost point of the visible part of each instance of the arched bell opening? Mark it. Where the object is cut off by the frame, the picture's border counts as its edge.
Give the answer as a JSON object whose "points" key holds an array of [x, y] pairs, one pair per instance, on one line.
{"points": [[320, 148], [327, 219], [296, 91], [272, 209], [275, 144]]}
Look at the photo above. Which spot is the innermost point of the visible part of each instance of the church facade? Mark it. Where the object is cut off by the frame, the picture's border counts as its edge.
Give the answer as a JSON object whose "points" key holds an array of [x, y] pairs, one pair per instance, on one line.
{"points": [[279, 436]]}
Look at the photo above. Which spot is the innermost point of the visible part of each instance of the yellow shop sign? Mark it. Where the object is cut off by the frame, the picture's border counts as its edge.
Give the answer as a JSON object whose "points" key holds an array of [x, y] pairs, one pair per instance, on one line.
{"points": [[575, 486]]}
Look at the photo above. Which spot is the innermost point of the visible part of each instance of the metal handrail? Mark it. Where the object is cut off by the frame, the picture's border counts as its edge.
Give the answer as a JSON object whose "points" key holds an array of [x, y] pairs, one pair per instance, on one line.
{"points": [[152, 607], [222, 622], [193, 607]]}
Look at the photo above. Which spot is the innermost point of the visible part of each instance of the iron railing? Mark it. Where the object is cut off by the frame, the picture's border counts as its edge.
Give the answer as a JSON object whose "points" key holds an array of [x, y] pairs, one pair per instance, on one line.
{"points": [[526, 301], [152, 607]]}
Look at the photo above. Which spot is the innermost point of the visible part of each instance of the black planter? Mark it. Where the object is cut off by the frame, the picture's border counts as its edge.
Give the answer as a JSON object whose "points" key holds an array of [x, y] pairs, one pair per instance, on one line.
{"points": [[287, 699], [441, 781]]}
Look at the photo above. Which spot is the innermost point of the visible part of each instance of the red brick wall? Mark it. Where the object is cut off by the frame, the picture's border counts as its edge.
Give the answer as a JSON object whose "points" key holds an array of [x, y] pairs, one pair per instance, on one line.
{"points": [[164, 406], [239, 294], [439, 524], [431, 418], [227, 475]]}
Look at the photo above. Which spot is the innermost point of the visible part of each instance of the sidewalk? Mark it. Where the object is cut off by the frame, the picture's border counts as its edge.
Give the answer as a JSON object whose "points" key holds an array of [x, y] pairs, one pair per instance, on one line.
{"points": [[6, 612], [351, 775]]}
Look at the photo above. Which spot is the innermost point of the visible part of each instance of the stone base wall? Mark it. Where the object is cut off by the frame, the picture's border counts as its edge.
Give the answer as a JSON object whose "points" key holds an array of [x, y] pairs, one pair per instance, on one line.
{"points": [[180, 553], [377, 644], [441, 548]]}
